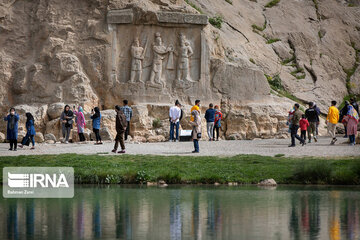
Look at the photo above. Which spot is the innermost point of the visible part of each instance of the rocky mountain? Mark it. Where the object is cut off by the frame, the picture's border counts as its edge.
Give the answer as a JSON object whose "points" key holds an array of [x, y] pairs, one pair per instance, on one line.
{"points": [[254, 58]]}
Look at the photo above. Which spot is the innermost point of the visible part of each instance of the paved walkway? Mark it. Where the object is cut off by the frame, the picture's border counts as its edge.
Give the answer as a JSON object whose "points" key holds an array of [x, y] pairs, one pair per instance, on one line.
{"points": [[268, 147]]}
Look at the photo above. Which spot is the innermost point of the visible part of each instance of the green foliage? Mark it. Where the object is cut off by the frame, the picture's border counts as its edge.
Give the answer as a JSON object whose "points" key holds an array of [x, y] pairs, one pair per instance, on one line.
{"points": [[275, 82], [289, 60], [272, 40], [125, 169], [321, 35], [297, 71], [229, 1], [216, 21], [253, 0], [156, 123], [272, 3], [258, 28], [279, 155], [194, 6], [252, 60]]}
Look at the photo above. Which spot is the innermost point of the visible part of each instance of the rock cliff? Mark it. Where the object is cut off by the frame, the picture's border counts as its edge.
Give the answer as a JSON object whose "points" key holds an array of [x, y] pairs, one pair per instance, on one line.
{"points": [[251, 57]]}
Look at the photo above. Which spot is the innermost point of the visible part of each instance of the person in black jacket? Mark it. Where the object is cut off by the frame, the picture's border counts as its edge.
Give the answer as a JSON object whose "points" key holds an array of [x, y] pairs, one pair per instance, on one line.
{"points": [[313, 118], [354, 104], [343, 113]]}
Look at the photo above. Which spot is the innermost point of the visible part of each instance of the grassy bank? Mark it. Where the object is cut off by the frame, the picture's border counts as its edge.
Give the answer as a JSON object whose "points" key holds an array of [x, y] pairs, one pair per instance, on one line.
{"points": [[189, 169]]}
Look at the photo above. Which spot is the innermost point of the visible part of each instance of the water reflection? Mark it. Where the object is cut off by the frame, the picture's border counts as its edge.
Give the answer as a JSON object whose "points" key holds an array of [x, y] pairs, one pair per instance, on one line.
{"points": [[175, 213]]}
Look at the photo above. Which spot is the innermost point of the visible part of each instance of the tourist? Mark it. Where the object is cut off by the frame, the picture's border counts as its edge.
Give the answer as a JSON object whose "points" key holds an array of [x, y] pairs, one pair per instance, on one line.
{"points": [[196, 132], [295, 126], [120, 126], [210, 119], [174, 114], [67, 123], [217, 125], [351, 121], [304, 124], [317, 109], [96, 120], [195, 107], [343, 113], [30, 131], [354, 104], [290, 116], [313, 118], [128, 114], [12, 128], [80, 122], [331, 120]]}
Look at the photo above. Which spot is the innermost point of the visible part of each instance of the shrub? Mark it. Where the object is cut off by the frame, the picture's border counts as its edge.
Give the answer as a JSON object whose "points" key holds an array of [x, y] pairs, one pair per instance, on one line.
{"points": [[194, 6], [312, 172], [272, 3], [142, 177], [272, 40], [216, 21], [157, 123]]}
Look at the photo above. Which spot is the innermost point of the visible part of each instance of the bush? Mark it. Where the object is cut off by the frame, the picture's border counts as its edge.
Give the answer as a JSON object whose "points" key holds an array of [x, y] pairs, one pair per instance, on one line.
{"points": [[313, 173], [157, 123], [272, 40], [216, 21], [194, 6], [272, 3], [142, 177]]}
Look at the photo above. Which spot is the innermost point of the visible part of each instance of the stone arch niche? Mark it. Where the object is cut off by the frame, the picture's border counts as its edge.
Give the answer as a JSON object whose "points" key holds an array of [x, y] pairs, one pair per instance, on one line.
{"points": [[159, 60]]}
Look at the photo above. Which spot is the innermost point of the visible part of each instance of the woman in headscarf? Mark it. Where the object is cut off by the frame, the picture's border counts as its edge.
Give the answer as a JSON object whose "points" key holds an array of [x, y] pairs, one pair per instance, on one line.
{"points": [[80, 122], [96, 120], [196, 132], [67, 123], [343, 113], [12, 128], [217, 126], [351, 121], [30, 131]]}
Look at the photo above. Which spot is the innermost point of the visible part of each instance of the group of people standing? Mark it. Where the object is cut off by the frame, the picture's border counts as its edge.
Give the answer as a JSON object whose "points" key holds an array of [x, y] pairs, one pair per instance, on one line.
{"points": [[213, 118], [309, 122]]}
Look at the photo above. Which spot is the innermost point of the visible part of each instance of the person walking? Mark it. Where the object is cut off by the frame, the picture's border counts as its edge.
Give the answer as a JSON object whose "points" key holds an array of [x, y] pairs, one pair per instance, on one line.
{"points": [[304, 124], [12, 128], [127, 110], [195, 107], [210, 119], [30, 131], [196, 132], [96, 121], [313, 118], [351, 120], [295, 126], [354, 104], [217, 123], [317, 109], [343, 113], [331, 120], [80, 122], [67, 123], [120, 126], [175, 114]]}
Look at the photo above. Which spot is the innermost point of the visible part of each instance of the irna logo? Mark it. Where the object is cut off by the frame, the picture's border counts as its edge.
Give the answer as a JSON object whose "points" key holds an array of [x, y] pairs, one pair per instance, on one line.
{"points": [[16, 180]]}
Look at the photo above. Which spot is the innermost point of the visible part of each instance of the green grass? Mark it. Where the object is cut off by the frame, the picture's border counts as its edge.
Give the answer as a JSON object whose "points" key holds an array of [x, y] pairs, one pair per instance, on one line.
{"points": [[185, 169], [258, 28], [216, 21], [252, 61], [272, 40], [229, 1], [276, 85], [194, 6], [289, 60], [156, 123], [296, 72], [272, 3]]}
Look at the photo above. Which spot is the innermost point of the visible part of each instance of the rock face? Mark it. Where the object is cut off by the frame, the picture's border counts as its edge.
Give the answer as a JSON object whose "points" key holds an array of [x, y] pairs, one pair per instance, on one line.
{"points": [[267, 182], [153, 52]]}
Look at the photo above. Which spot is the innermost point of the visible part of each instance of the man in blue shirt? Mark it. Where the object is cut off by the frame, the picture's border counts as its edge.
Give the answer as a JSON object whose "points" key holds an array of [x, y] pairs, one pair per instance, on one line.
{"points": [[210, 119], [128, 114]]}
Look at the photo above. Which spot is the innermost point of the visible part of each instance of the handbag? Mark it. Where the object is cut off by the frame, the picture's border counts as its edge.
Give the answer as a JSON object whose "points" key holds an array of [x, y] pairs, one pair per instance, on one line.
{"points": [[27, 143], [199, 135]]}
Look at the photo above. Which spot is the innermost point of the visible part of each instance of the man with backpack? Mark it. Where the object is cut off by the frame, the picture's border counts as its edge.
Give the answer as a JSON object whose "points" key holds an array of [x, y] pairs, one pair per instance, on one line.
{"points": [[121, 125], [313, 118]]}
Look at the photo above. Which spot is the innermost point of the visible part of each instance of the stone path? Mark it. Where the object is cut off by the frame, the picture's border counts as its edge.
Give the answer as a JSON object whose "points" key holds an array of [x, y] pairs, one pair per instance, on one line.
{"points": [[268, 147]]}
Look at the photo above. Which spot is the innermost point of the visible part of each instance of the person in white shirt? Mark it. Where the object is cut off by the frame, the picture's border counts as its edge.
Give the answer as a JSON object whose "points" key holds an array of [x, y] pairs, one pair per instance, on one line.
{"points": [[174, 114]]}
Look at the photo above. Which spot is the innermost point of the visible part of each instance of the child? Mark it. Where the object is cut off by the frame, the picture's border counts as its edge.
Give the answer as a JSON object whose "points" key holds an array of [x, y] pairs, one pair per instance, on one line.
{"points": [[196, 132], [96, 118], [12, 128], [80, 123], [30, 131], [217, 126], [304, 124]]}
